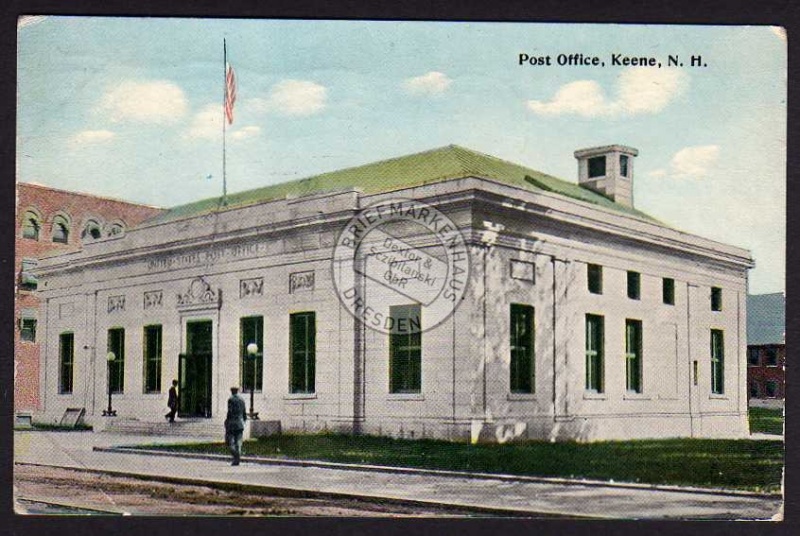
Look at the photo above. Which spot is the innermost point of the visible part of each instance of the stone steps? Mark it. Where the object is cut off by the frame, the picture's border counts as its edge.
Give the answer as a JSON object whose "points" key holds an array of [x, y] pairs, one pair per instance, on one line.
{"points": [[188, 427]]}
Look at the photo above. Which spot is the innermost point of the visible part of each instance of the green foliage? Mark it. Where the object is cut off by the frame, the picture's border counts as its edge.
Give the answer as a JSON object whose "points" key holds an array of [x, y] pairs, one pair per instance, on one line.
{"points": [[80, 427], [766, 421], [735, 464]]}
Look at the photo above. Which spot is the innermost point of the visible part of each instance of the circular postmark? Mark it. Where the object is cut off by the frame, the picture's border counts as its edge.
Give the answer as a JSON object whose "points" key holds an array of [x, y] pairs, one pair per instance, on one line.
{"points": [[400, 266]]}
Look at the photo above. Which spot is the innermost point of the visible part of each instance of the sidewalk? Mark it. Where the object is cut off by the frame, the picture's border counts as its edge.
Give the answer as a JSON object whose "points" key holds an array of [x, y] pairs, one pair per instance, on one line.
{"points": [[75, 450]]}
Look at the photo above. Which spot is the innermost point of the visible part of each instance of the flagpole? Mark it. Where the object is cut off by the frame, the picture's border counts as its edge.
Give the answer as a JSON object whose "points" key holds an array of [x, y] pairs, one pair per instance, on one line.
{"points": [[224, 118]]}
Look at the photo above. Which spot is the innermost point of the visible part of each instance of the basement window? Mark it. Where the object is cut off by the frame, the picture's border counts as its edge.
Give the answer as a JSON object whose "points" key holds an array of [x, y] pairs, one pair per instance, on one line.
{"points": [[771, 388]]}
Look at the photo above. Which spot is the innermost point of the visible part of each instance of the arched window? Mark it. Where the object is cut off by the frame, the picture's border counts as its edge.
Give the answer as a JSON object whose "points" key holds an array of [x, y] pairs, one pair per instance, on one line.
{"points": [[30, 225], [60, 230], [91, 231]]}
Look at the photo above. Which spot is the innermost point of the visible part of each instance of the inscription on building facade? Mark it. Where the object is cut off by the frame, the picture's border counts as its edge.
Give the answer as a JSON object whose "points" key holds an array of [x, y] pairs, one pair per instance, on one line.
{"points": [[207, 257], [153, 299], [301, 281], [251, 287], [116, 303]]}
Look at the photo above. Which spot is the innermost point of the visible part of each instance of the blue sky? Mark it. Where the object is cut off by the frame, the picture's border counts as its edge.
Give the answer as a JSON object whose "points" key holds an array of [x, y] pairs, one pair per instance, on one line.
{"points": [[131, 108]]}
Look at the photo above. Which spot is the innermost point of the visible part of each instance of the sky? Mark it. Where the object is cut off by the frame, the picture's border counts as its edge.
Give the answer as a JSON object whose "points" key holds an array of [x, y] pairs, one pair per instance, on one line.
{"points": [[131, 108]]}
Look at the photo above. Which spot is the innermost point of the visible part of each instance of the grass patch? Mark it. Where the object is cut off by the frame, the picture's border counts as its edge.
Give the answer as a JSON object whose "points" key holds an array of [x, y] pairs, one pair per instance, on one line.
{"points": [[734, 464], [81, 427], [766, 421]]}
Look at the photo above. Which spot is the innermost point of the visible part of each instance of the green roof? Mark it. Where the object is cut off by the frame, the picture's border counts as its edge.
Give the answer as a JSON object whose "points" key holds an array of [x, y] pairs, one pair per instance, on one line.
{"points": [[436, 165]]}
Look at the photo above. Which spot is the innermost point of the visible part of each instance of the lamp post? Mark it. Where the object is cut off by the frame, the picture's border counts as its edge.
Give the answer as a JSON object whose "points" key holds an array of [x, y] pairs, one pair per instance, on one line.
{"points": [[110, 357], [252, 353]]}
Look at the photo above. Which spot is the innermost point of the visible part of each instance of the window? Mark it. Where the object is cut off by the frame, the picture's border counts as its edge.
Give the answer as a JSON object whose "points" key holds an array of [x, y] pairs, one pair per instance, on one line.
{"points": [[405, 349], [716, 299], [755, 392], [771, 357], [115, 229], [60, 230], [91, 231], [597, 166], [594, 353], [522, 368], [116, 368], [771, 389], [27, 329], [30, 226], [623, 165], [251, 330], [28, 281], [152, 359], [66, 356], [717, 362], [753, 356], [302, 334], [633, 355], [668, 291], [594, 276], [634, 285]]}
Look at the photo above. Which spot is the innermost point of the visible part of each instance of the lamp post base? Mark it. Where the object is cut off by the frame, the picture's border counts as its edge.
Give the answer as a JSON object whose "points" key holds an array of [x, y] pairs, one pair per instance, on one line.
{"points": [[109, 413], [253, 415]]}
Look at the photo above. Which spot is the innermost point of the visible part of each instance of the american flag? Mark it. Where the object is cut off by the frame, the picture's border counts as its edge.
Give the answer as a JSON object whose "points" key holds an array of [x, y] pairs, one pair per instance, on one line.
{"points": [[230, 92]]}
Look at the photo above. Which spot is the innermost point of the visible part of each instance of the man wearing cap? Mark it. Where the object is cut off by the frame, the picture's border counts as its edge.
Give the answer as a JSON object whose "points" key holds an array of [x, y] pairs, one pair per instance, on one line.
{"points": [[234, 424]]}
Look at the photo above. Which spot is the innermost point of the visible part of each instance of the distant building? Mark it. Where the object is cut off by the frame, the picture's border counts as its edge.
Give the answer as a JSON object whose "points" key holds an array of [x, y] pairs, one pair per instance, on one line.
{"points": [[51, 221], [766, 348], [582, 317]]}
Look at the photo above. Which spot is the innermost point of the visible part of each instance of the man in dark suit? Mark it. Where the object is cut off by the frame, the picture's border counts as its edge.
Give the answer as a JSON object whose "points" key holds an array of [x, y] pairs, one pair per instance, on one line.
{"points": [[234, 424], [172, 402]]}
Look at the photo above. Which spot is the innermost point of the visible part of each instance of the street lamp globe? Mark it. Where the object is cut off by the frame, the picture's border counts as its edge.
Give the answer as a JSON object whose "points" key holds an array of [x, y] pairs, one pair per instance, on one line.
{"points": [[110, 412], [252, 353]]}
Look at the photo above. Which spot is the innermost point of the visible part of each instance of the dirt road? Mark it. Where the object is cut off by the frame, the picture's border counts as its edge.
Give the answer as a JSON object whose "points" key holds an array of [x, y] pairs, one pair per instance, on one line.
{"points": [[147, 497]]}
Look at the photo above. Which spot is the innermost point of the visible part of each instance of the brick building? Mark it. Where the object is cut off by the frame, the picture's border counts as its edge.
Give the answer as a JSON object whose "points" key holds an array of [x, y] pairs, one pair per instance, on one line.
{"points": [[766, 348], [52, 220]]}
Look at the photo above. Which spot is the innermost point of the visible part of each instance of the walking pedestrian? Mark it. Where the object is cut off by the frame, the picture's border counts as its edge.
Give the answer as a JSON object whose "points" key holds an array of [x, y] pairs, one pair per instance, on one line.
{"points": [[234, 424], [172, 402]]}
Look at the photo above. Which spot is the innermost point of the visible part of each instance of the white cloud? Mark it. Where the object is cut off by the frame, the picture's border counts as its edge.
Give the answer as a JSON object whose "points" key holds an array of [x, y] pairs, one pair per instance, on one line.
{"points": [[90, 137], [643, 90], [293, 97], [639, 90], [690, 163], [244, 133], [156, 102], [207, 125], [584, 97], [432, 83]]}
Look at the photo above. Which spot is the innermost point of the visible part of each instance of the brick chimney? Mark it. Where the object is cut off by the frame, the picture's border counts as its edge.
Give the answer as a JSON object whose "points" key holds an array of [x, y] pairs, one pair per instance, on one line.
{"points": [[608, 170]]}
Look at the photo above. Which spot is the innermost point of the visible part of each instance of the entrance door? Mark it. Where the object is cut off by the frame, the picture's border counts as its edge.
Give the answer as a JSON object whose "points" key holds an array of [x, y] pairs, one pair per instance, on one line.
{"points": [[194, 372]]}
